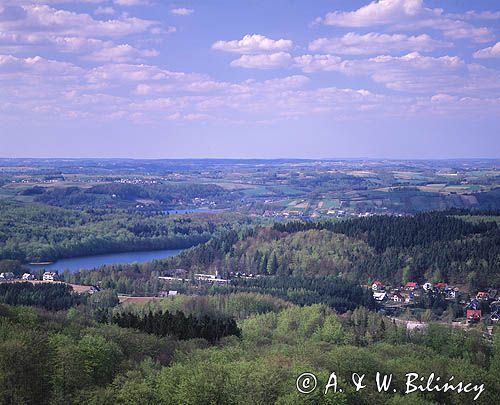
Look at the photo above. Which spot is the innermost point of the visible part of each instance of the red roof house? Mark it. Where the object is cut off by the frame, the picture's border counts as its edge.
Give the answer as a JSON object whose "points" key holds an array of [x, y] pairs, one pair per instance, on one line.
{"points": [[473, 314]]}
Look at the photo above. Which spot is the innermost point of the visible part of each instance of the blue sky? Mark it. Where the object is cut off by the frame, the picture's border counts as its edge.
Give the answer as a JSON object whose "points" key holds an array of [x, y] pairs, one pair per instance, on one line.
{"points": [[255, 78]]}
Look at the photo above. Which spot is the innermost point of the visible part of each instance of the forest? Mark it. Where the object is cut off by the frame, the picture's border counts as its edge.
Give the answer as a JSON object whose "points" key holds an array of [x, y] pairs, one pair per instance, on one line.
{"points": [[70, 358], [425, 247], [179, 325], [54, 297], [341, 295], [303, 309], [462, 250], [38, 233]]}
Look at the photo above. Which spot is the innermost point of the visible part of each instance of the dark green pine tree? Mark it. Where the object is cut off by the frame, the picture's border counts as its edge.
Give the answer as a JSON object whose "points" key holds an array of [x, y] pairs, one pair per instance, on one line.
{"points": [[272, 265]]}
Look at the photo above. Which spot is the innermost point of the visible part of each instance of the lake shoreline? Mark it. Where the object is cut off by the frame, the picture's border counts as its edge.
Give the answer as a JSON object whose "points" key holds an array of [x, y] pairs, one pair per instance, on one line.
{"points": [[90, 262], [112, 252]]}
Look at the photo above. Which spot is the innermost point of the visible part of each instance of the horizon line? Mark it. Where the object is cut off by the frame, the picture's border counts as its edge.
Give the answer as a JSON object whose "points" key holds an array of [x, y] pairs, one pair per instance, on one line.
{"points": [[251, 158]]}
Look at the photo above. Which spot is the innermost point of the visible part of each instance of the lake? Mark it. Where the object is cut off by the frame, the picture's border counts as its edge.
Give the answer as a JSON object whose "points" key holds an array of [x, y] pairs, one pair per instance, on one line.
{"points": [[90, 262], [193, 210]]}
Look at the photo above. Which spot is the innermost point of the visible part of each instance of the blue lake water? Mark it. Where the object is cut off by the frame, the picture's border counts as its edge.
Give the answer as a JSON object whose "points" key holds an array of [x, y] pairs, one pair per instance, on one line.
{"points": [[192, 210], [90, 262]]}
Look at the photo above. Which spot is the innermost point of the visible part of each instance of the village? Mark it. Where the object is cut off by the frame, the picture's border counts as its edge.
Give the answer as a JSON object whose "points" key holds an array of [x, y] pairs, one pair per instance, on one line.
{"points": [[483, 306]]}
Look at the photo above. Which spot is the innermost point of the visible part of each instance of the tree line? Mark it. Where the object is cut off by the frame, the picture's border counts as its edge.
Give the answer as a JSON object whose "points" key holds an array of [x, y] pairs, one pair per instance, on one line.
{"points": [[383, 231], [338, 294], [179, 325], [50, 296]]}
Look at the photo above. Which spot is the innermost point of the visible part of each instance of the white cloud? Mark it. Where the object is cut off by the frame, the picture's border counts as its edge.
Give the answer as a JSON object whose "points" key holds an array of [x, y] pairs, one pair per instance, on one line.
{"points": [[253, 44], [452, 29], [263, 61], [182, 11], [478, 15], [318, 63], [443, 98], [38, 20], [375, 13], [88, 48], [132, 2], [37, 66], [56, 2], [149, 79], [448, 105], [121, 53], [38, 29], [490, 52], [374, 43], [147, 93], [406, 15], [36, 84], [412, 72]]}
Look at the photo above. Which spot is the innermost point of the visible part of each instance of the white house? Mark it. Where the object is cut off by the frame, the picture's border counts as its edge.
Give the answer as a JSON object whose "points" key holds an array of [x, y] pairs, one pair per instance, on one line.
{"points": [[50, 276], [7, 275], [28, 276], [427, 286], [377, 286], [397, 297], [380, 296], [211, 278]]}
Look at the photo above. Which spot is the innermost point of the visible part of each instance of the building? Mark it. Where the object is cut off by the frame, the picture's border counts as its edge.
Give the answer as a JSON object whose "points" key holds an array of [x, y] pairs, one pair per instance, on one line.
{"points": [[50, 276], [168, 293], [427, 286], [452, 293], [168, 278], [28, 276], [7, 275], [397, 297], [380, 296], [441, 286], [377, 286], [93, 289], [411, 286], [482, 295], [211, 278], [473, 315]]}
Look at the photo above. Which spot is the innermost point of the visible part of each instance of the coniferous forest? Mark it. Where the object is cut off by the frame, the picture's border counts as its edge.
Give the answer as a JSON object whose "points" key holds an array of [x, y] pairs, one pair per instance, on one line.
{"points": [[178, 325]]}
